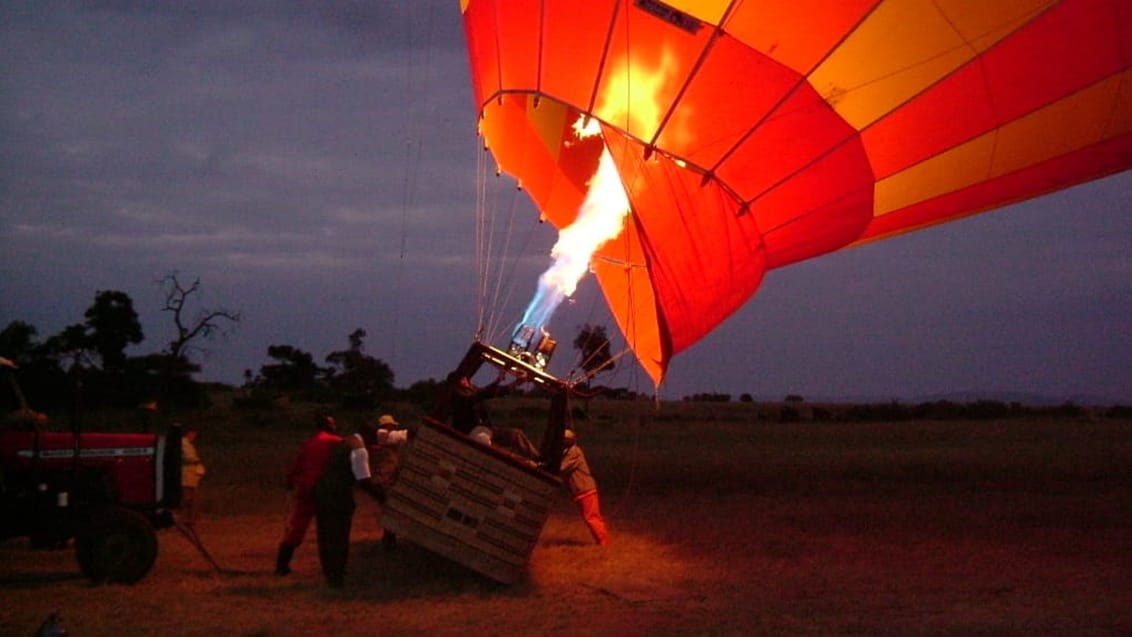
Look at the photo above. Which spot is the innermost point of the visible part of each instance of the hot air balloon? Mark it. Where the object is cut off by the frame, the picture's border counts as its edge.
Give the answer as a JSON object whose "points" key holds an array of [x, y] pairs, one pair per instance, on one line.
{"points": [[750, 135]]}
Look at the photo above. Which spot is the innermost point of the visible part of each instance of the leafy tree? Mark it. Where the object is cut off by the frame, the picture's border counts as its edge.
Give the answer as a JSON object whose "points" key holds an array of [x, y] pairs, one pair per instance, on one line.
{"points": [[72, 347], [43, 381], [111, 325], [17, 342], [362, 379], [593, 347], [294, 371]]}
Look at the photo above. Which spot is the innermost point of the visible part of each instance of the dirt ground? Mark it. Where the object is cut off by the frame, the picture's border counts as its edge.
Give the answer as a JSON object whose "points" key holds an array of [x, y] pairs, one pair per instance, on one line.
{"points": [[720, 528]]}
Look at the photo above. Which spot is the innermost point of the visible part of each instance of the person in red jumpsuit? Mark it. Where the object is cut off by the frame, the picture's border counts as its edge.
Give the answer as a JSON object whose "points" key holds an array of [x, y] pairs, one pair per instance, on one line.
{"points": [[301, 478]]}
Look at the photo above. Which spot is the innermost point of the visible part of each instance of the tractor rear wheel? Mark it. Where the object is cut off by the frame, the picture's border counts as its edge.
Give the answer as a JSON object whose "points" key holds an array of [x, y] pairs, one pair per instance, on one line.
{"points": [[118, 545]]}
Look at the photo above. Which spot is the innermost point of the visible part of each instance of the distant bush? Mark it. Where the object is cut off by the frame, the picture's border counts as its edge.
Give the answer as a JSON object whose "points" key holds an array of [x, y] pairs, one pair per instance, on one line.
{"points": [[620, 393], [987, 410], [708, 398], [1118, 411], [892, 411], [1068, 409]]}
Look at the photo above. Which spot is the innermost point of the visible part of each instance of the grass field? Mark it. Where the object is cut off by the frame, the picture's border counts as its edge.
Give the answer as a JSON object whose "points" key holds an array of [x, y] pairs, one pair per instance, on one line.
{"points": [[722, 524]]}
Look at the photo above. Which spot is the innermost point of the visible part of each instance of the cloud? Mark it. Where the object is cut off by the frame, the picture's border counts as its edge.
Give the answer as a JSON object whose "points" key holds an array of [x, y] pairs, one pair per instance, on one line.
{"points": [[314, 164]]}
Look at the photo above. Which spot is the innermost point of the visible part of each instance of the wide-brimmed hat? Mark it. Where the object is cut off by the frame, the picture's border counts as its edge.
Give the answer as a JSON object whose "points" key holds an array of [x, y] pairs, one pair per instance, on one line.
{"points": [[387, 420]]}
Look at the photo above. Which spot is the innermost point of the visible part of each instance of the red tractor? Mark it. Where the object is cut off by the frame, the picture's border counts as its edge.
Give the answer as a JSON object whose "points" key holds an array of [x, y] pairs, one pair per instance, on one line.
{"points": [[109, 492]]}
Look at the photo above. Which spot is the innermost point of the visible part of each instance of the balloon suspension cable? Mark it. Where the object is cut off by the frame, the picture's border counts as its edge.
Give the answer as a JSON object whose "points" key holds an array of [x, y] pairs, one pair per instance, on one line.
{"points": [[630, 484], [504, 272], [588, 375], [488, 204], [412, 159], [498, 249], [480, 238]]}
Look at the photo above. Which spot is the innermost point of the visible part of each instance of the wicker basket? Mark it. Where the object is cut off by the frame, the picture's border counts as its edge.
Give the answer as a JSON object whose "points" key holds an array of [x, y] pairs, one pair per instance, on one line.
{"points": [[473, 504]]}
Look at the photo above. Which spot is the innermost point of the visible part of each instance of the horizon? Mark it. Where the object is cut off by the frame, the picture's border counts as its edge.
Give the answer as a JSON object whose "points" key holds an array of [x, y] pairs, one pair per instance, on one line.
{"points": [[317, 171]]}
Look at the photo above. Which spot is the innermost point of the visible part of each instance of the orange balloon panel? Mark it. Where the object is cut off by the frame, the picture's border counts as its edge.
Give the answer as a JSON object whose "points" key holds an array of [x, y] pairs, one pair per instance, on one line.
{"points": [[752, 135]]}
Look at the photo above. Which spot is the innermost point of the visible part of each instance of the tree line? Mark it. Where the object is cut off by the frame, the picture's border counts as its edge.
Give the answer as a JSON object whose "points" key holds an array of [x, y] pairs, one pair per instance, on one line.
{"points": [[355, 379], [85, 365]]}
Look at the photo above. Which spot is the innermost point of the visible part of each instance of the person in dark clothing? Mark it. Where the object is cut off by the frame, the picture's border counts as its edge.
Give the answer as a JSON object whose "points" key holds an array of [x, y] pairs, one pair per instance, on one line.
{"points": [[347, 467], [468, 402]]}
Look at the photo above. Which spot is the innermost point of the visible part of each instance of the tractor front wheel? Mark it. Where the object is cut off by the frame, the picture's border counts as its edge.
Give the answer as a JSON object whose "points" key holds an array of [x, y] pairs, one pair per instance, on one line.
{"points": [[118, 545]]}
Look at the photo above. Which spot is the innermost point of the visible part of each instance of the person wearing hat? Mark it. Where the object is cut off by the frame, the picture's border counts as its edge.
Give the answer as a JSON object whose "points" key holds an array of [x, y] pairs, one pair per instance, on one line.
{"points": [[301, 478], [385, 459], [576, 475]]}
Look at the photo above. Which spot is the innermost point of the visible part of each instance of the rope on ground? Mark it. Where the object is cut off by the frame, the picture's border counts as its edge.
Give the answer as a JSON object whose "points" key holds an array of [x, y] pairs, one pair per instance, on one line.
{"points": [[190, 534]]}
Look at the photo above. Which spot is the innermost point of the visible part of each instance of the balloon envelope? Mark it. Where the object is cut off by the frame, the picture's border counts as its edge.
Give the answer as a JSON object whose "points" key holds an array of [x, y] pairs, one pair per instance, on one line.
{"points": [[751, 135]]}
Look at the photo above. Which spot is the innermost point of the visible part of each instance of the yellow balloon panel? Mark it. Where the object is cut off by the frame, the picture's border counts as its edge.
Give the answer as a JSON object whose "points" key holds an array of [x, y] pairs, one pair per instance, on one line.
{"points": [[959, 167], [709, 11], [549, 119], [981, 23], [1073, 123], [1119, 121], [796, 34], [904, 47]]}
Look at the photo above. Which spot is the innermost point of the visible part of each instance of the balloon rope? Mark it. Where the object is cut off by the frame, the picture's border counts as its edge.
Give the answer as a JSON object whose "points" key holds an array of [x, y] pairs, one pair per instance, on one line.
{"points": [[634, 458], [500, 293], [613, 358], [481, 221], [413, 153]]}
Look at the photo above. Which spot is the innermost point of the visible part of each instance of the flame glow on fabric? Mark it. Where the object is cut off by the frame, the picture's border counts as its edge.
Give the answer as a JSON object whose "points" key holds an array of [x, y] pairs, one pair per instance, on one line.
{"points": [[752, 135]]}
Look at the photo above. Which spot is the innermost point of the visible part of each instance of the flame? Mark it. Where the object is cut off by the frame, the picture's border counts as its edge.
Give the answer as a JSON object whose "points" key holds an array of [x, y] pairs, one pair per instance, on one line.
{"points": [[599, 220], [602, 214]]}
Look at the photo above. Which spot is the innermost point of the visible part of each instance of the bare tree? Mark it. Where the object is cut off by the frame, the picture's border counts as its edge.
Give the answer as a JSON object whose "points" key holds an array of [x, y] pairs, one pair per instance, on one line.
{"points": [[204, 324]]}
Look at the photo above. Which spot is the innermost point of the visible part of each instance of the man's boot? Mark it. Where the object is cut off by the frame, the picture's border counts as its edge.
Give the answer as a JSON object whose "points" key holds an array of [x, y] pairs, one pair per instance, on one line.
{"points": [[283, 559]]}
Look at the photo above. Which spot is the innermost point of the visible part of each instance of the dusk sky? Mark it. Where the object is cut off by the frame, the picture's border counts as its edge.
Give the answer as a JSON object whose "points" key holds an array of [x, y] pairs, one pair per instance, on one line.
{"points": [[314, 165]]}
